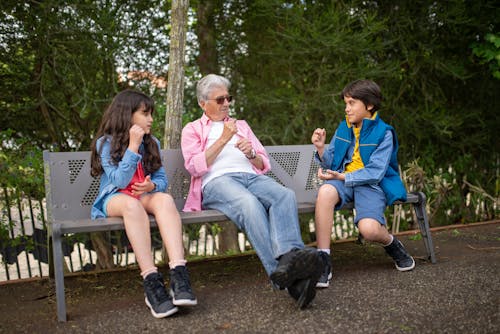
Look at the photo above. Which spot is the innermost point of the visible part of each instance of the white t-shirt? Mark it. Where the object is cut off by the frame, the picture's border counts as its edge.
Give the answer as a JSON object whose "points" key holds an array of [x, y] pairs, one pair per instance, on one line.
{"points": [[229, 160]]}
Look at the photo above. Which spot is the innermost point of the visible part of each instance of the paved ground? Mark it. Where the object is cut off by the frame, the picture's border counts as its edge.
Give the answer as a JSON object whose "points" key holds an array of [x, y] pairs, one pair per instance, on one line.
{"points": [[459, 294]]}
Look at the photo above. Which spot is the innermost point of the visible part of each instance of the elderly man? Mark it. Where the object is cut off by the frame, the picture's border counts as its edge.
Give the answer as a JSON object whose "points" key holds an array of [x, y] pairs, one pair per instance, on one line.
{"points": [[227, 164]]}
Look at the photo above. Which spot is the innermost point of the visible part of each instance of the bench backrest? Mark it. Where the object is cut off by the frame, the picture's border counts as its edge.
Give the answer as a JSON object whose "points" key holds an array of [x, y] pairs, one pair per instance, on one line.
{"points": [[70, 190]]}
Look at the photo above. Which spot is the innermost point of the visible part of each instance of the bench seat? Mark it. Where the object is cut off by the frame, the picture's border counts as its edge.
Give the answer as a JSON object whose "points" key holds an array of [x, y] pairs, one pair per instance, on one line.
{"points": [[70, 192]]}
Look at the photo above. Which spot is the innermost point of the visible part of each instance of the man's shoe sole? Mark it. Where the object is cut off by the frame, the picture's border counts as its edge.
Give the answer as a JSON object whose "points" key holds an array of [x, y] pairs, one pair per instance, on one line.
{"points": [[304, 264], [307, 295]]}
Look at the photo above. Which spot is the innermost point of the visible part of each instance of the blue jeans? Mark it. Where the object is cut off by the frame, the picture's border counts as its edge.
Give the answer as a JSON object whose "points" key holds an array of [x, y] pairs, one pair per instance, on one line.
{"points": [[262, 208]]}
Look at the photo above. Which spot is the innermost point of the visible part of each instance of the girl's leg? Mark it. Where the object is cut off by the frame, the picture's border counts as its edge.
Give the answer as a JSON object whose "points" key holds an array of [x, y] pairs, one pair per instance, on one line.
{"points": [[327, 198], [162, 206], [137, 228]]}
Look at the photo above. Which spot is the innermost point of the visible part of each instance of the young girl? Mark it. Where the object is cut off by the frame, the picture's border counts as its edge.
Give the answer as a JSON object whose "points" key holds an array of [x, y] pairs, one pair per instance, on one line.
{"points": [[133, 182]]}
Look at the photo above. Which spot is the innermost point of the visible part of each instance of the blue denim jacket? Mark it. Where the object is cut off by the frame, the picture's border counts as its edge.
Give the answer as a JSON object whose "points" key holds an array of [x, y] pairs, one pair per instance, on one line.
{"points": [[378, 148], [372, 173], [118, 176]]}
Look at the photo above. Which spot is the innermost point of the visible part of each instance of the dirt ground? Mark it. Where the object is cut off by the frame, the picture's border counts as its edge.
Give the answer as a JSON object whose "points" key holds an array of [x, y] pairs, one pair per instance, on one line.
{"points": [[459, 294]]}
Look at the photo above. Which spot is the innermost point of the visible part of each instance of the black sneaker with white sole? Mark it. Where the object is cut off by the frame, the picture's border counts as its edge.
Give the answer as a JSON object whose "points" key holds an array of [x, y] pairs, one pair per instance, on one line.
{"points": [[326, 275], [402, 259], [156, 296], [303, 291], [295, 265], [180, 287]]}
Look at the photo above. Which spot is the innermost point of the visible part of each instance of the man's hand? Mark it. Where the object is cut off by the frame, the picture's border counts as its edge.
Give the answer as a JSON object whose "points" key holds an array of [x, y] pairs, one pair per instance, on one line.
{"points": [[229, 130], [245, 146]]}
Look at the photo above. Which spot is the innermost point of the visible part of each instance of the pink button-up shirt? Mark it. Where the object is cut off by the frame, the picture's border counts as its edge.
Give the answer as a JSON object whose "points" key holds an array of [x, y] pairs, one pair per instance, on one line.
{"points": [[194, 143]]}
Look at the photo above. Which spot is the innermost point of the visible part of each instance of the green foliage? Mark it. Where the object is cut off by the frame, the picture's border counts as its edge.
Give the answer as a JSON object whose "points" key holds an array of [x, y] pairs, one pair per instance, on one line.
{"points": [[61, 62], [21, 166], [489, 53]]}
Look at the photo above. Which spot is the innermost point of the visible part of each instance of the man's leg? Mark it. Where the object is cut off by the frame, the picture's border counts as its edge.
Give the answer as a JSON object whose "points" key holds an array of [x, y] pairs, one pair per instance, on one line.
{"points": [[229, 194]]}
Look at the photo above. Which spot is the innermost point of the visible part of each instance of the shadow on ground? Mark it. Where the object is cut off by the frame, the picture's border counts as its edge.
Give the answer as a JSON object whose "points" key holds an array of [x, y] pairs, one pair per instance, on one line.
{"points": [[459, 294]]}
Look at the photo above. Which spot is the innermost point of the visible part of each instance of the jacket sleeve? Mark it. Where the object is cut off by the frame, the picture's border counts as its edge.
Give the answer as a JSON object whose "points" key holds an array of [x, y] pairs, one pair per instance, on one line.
{"points": [[159, 177], [121, 174], [375, 169], [257, 146], [195, 161]]}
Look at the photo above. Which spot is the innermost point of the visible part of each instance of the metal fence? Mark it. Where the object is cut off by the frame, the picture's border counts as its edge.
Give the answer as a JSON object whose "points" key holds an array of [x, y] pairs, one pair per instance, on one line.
{"points": [[24, 249]]}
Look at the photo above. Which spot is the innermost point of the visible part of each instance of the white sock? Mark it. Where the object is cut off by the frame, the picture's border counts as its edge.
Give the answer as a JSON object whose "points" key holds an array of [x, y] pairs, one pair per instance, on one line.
{"points": [[175, 263], [326, 250], [146, 272]]}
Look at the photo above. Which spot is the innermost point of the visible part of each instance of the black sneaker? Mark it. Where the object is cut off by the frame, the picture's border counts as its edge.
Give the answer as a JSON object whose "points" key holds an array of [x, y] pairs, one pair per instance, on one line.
{"points": [[326, 275], [180, 287], [295, 265], [402, 259], [303, 291], [156, 296]]}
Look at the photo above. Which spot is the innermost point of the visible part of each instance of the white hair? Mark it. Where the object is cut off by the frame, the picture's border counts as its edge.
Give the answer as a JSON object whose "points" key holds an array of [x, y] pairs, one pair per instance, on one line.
{"points": [[206, 84]]}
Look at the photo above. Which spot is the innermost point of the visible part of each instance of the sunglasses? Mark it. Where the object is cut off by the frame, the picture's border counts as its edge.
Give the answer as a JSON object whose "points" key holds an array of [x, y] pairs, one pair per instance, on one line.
{"points": [[220, 99]]}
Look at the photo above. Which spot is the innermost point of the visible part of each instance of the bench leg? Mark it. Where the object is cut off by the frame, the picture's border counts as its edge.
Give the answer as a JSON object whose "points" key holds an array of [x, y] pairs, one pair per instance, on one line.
{"points": [[59, 272], [423, 222]]}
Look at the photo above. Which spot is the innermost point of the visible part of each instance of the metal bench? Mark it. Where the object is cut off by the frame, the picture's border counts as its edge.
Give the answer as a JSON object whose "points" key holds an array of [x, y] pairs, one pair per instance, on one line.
{"points": [[70, 192]]}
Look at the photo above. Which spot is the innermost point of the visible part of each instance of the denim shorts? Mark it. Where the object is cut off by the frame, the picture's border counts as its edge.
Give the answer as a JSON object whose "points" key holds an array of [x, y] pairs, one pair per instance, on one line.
{"points": [[369, 200], [106, 201]]}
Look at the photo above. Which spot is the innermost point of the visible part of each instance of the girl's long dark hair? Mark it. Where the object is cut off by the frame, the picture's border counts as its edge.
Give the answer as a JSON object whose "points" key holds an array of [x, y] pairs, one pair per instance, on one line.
{"points": [[116, 123]]}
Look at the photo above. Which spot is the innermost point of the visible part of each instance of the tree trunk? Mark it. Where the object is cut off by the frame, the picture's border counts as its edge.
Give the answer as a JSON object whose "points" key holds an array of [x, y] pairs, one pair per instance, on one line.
{"points": [[175, 81], [206, 33], [175, 84], [228, 238], [103, 249]]}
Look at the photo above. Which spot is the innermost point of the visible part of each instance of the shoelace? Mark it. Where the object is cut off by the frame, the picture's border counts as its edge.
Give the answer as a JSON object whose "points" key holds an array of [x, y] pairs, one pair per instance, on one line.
{"points": [[158, 289], [181, 280]]}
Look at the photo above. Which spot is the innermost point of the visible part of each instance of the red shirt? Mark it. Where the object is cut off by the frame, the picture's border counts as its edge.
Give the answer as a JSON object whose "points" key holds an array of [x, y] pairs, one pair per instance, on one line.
{"points": [[138, 177]]}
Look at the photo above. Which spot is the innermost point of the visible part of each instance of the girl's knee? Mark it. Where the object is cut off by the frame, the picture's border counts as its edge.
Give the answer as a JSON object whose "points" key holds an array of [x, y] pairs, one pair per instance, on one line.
{"points": [[163, 200], [130, 205]]}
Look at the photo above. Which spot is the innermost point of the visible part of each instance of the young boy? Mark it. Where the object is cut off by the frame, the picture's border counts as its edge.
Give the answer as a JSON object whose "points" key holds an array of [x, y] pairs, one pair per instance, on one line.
{"points": [[360, 165]]}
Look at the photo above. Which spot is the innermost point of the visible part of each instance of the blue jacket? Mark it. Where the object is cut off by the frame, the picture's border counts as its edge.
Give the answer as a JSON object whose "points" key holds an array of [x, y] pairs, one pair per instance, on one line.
{"points": [[378, 147], [118, 176]]}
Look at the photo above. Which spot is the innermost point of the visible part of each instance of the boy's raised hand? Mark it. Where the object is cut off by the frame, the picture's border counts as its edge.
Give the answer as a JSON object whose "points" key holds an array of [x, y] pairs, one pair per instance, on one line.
{"points": [[318, 138]]}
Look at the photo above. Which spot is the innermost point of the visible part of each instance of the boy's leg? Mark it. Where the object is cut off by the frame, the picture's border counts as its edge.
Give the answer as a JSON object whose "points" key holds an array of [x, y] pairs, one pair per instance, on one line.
{"points": [[331, 194], [370, 204], [328, 197]]}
